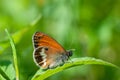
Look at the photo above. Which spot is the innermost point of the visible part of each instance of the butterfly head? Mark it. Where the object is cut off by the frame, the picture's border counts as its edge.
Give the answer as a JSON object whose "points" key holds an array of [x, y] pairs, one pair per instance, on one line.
{"points": [[69, 53]]}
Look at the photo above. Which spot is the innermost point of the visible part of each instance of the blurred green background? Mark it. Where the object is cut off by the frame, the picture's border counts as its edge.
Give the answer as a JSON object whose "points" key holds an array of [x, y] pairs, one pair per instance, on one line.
{"points": [[91, 27]]}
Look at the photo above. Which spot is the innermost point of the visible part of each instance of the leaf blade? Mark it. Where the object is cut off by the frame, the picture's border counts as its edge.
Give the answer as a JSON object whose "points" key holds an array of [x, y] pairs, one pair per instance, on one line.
{"points": [[41, 75], [14, 54], [3, 74]]}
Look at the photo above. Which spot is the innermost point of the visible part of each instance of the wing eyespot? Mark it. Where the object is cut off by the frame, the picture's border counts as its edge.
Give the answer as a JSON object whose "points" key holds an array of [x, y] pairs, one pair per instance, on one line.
{"points": [[39, 37], [46, 49]]}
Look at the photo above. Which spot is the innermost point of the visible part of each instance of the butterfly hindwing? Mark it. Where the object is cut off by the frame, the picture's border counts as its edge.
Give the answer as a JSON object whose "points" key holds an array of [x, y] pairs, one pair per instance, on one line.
{"points": [[44, 59], [39, 56]]}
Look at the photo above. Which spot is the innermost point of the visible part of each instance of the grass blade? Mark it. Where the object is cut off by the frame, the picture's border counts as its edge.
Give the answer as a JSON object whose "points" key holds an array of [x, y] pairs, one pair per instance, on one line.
{"points": [[41, 75], [14, 54]]}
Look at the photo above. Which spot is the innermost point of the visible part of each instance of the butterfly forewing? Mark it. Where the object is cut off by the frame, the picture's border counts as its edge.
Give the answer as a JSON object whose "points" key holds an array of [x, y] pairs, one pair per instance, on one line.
{"points": [[41, 39]]}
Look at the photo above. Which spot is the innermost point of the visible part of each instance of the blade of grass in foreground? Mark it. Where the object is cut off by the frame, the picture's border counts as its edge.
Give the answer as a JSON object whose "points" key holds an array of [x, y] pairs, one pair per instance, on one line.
{"points": [[14, 54], [41, 75]]}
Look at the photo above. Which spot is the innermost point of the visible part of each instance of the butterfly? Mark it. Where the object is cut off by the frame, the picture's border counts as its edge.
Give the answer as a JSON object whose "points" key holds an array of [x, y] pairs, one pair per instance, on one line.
{"points": [[48, 53]]}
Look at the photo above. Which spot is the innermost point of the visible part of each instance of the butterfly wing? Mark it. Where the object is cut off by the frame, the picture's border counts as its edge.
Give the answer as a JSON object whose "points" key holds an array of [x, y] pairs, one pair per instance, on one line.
{"points": [[48, 52], [41, 39]]}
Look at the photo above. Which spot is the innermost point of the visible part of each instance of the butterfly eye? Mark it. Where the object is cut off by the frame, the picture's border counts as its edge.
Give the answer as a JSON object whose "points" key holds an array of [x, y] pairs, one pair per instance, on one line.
{"points": [[70, 53], [46, 49]]}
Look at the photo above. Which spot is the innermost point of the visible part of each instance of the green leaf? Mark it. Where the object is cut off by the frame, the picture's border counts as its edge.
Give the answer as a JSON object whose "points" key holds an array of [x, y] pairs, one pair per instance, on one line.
{"points": [[2, 78], [14, 54], [7, 72], [41, 75], [3, 75]]}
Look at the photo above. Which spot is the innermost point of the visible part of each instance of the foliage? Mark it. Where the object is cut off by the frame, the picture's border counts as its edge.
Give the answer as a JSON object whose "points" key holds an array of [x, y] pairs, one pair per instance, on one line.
{"points": [[41, 75], [92, 28]]}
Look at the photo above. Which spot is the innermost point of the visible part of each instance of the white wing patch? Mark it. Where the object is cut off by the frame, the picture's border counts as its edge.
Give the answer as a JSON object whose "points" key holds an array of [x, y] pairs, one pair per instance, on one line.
{"points": [[42, 53]]}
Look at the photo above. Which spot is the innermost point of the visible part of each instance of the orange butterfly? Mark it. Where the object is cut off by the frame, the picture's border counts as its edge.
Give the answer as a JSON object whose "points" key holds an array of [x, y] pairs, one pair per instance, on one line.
{"points": [[48, 53]]}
